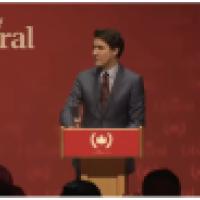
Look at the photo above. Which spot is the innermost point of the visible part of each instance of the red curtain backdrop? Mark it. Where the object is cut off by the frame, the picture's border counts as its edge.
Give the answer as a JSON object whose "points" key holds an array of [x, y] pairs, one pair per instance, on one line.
{"points": [[162, 44]]}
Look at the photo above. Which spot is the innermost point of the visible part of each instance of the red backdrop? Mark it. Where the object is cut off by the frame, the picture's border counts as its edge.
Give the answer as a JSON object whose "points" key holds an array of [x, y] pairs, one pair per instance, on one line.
{"points": [[162, 44]]}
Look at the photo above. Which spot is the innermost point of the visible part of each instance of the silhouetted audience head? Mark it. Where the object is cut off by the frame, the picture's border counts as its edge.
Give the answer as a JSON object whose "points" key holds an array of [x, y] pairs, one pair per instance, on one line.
{"points": [[6, 184], [8, 189], [5, 175], [161, 182], [80, 188]]}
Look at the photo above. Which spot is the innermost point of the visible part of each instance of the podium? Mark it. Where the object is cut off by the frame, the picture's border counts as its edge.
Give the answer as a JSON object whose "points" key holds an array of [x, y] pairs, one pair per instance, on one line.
{"points": [[102, 154]]}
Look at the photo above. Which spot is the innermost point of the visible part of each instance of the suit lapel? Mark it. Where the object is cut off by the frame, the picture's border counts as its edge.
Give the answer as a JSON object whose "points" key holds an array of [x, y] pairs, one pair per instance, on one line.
{"points": [[97, 88]]}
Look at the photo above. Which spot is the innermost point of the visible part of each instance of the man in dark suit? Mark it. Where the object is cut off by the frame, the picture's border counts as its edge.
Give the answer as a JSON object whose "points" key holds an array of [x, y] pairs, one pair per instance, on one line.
{"points": [[112, 96]]}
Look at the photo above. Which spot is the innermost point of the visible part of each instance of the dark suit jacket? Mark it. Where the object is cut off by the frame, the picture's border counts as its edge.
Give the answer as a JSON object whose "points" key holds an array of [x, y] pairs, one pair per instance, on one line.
{"points": [[125, 106]]}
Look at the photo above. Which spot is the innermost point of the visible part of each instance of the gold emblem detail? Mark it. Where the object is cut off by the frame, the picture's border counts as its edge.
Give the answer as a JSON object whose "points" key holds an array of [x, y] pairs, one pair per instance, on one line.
{"points": [[102, 140]]}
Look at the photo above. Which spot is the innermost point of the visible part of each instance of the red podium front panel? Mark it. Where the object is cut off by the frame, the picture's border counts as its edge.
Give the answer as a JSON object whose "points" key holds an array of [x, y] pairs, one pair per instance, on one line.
{"points": [[109, 142]]}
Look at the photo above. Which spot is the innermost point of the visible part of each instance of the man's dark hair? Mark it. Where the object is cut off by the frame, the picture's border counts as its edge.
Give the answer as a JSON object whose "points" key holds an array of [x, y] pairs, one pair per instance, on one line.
{"points": [[161, 182], [80, 188], [112, 38]]}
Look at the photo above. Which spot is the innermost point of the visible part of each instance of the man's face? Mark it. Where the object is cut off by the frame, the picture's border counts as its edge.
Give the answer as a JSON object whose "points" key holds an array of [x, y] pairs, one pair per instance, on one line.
{"points": [[103, 54]]}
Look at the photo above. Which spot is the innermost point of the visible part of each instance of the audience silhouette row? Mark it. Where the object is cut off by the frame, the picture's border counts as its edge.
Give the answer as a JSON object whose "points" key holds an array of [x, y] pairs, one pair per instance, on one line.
{"points": [[159, 182]]}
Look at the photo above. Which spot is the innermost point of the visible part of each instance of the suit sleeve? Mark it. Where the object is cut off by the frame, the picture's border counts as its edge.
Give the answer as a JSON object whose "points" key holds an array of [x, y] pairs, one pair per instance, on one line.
{"points": [[73, 101], [137, 104]]}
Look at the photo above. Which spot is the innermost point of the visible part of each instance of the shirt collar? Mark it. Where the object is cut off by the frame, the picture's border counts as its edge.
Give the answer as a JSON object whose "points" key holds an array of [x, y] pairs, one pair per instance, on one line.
{"points": [[112, 71]]}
